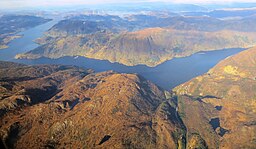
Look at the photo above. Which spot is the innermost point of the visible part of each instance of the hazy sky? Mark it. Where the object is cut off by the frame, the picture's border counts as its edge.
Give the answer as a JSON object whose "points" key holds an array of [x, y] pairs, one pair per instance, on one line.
{"points": [[30, 3]]}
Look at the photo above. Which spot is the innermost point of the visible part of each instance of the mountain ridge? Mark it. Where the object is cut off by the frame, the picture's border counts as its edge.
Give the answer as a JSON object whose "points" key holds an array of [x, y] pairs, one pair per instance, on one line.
{"points": [[79, 108]]}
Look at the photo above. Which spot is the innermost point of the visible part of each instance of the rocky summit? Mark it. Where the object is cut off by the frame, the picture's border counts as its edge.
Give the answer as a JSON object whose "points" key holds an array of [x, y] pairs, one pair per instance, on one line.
{"points": [[53, 106]]}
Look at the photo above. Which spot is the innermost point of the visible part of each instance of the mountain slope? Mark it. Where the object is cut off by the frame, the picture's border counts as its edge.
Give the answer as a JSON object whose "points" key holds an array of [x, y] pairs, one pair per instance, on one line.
{"points": [[64, 106], [150, 46], [223, 103], [142, 39], [28, 85], [111, 110]]}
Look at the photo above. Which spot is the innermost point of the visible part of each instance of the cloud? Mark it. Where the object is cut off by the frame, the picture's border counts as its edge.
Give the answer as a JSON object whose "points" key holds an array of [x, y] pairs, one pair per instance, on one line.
{"points": [[209, 1], [5, 4], [36, 3]]}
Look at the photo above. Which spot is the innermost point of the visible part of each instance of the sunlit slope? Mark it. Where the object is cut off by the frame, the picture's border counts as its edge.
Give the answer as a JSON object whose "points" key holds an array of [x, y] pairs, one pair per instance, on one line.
{"points": [[225, 98], [52, 106], [142, 39]]}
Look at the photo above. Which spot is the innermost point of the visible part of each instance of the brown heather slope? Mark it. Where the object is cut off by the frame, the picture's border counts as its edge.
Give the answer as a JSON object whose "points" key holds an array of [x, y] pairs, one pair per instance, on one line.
{"points": [[226, 98], [66, 107], [27, 85], [151, 46]]}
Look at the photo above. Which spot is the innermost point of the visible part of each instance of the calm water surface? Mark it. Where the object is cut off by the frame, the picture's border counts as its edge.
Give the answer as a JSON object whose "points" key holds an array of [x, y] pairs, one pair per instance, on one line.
{"points": [[167, 75]]}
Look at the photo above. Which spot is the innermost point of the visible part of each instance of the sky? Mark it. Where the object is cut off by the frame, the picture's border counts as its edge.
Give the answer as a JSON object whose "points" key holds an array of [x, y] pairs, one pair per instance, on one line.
{"points": [[5, 4]]}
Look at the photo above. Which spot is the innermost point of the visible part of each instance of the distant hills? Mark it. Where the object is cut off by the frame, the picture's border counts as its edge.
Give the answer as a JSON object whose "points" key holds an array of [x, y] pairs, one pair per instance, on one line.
{"points": [[12, 24], [142, 39]]}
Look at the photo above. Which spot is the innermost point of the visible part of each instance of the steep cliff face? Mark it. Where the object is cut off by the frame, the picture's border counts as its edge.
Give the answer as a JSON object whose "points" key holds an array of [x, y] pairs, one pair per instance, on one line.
{"points": [[64, 106], [220, 105]]}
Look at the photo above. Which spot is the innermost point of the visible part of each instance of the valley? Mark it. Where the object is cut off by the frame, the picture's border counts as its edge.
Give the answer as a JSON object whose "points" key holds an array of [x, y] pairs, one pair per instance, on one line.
{"points": [[107, 105], [142, 39], [127, 75]]}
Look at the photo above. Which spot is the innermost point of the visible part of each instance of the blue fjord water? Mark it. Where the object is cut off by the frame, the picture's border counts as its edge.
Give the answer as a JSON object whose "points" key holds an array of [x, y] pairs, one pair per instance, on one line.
{"points": [[166, 75]]}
